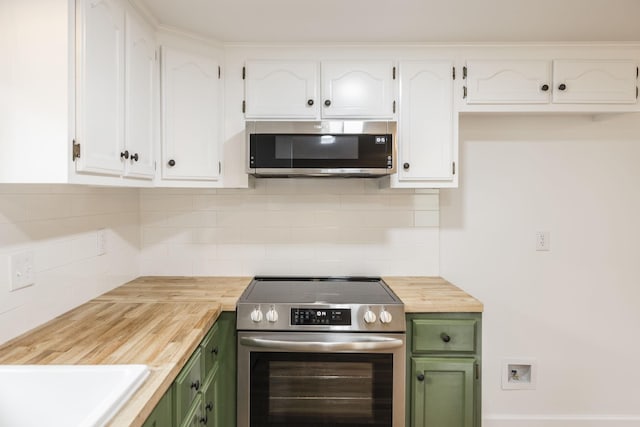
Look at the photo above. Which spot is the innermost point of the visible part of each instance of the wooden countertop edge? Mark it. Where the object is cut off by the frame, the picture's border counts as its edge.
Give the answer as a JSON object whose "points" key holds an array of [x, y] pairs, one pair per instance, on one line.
{"points": [[158, 382]]}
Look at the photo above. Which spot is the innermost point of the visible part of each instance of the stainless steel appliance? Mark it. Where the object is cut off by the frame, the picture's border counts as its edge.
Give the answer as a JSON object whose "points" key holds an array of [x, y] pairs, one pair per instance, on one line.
{"points": [[319, 352], [325, 148]]}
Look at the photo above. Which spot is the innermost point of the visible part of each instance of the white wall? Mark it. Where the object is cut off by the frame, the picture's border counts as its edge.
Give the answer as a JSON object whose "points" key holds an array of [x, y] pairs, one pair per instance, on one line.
{"points": [[284, 226], [59, 223], [576, 308]]}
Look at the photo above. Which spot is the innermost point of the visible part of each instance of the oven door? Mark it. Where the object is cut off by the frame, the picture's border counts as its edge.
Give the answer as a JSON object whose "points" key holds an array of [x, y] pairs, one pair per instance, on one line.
{"points": [[316, 379]]}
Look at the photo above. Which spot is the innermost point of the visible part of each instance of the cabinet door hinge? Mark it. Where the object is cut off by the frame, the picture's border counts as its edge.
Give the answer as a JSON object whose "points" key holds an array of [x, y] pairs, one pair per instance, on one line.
{"points": [[454, 73], [244, 106], [464, 92], [453, 167], [636, 92], [219, 168], [637, 72], [244, 72], [464, 72], [75, 151], [394, 73], [394, 106], [476, 369], [219, 72]]}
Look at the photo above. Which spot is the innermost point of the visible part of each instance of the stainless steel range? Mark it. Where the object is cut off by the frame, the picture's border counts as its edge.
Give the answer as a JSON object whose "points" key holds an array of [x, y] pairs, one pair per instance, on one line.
{"points": [[320, 351]]}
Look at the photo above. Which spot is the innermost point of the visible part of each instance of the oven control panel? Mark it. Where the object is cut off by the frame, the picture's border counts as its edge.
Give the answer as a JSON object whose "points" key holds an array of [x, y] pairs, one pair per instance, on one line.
{"points": [[324, 316]]}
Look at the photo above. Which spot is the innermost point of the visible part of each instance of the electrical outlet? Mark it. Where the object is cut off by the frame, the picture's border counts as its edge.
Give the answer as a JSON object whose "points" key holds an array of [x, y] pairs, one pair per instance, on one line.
{"points": [[22, 270], [102, 241], [519, 374], [543, 241]]}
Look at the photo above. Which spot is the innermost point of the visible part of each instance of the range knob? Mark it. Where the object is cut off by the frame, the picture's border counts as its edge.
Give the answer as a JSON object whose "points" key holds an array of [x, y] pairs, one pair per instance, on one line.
{"points": [[385, 316], [369, 316], [256, 315], [272, 315]]}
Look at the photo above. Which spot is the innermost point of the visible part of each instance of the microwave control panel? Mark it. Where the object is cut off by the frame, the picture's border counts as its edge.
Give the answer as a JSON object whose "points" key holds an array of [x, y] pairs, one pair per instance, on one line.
{"points": [[325, 316]]}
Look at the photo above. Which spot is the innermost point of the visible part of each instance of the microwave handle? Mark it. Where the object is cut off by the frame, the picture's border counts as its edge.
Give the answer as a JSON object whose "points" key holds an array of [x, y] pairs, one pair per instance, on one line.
{"points": [[295, 345]]}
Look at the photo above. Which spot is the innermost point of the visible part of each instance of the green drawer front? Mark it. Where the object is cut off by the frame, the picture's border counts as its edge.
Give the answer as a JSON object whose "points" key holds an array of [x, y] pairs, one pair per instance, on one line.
{"points": [[209, 402], [194, 414], [431, 335], [187, 385], [211, 351]]}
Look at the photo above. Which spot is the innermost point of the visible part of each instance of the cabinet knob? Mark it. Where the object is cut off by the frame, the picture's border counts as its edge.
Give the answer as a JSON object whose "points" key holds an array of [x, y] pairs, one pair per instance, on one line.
{"points": [[171, 163], [209, 406], [420, 377], [562, 86], [545, 87], [204, 420], [124, 154], [310, 102], [214, 350], [406, 166], [195, 385], [327, 102], [445, 337], [134, 157]]}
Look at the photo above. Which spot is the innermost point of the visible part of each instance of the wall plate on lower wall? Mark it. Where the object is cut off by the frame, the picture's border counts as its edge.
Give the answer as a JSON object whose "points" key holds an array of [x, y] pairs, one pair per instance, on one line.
{"points": [[519, 374]]}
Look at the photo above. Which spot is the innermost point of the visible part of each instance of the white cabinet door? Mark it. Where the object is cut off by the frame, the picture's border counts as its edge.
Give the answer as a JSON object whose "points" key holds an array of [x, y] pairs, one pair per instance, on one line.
{"points": [[508, 82], [140, 98], [100, 86], [282, 89], [594, 82], [362, 89], [192, 110], [426, 140]]}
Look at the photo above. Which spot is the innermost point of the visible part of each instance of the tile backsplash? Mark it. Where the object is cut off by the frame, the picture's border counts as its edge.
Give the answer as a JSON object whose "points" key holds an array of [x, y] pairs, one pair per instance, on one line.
{"points": [[290, 226], [59, 224]]}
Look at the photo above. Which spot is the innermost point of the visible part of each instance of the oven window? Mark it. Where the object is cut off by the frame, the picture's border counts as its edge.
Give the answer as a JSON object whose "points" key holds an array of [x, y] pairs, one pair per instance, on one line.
{"points": [[321, 389]]}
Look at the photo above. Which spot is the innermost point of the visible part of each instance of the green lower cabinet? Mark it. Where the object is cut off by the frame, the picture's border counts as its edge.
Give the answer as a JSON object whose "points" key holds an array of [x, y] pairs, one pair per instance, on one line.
{"points": [[444, 356], [162, 414], [442, 392], [194, 416]]}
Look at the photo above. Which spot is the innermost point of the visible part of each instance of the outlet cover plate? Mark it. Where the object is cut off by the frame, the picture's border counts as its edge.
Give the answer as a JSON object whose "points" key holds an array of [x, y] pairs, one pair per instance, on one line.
{"points": [[22, 270]]}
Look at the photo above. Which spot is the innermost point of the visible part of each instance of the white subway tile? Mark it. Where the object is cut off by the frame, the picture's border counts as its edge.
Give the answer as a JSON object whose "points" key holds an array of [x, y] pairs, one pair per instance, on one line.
{"points": [[427, 218]]}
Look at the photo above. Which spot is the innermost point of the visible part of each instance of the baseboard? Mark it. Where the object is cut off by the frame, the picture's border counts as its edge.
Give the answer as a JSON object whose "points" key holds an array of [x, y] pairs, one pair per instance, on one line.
{"points": [[560, 421]]}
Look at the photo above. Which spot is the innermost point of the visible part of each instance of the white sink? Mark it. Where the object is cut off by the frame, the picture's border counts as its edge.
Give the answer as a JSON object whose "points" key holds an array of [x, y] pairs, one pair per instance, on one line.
{"points": [[65, 395]]}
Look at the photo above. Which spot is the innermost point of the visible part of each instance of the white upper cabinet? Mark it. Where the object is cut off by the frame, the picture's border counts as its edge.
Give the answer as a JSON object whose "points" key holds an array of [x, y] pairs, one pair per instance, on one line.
{"points": [[566, 81], [427, 138], [100, 86], [192, 116], [594, 82], [291, 89], [358, 89], [508, 82], [116, 91], [141, 102], [282, 89]]}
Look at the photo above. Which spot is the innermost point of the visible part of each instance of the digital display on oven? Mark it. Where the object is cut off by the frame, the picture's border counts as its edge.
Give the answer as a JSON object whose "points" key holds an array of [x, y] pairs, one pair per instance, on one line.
{"points": [[324, 316]]}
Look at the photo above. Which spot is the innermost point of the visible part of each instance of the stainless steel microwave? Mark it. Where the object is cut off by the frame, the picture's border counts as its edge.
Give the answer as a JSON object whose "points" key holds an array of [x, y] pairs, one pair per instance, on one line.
{"points": [[323, 148]]}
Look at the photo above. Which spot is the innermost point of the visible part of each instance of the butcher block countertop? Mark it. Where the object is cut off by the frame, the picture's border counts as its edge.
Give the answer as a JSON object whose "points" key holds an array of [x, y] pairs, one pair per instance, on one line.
{"points": [[159, 322]]}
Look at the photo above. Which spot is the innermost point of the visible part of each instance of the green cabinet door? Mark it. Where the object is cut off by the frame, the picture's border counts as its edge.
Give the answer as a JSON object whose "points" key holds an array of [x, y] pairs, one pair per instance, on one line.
{"points": [[442, 392], [162, 414]]}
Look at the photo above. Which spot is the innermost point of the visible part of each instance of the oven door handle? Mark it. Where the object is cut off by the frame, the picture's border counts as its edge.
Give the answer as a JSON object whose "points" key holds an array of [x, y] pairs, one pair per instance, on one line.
{"points": [[355, 345]]}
